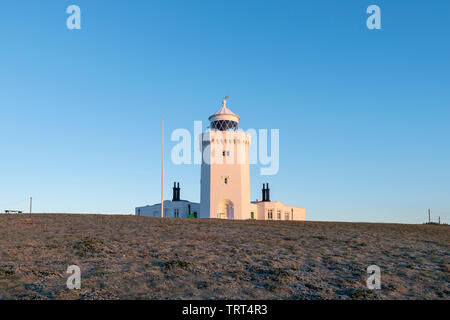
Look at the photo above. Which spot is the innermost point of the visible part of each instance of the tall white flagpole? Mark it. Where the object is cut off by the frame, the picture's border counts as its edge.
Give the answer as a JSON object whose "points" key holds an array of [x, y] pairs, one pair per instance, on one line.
{"points": [[162, 171]]}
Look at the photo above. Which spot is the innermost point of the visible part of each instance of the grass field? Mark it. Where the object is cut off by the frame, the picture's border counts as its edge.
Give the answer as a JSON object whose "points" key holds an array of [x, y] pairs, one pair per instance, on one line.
{"points": [[128, 257]]}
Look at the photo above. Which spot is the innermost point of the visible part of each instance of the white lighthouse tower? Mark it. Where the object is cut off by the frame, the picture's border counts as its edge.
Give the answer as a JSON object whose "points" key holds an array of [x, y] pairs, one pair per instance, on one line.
{"points": [[225, 176]]}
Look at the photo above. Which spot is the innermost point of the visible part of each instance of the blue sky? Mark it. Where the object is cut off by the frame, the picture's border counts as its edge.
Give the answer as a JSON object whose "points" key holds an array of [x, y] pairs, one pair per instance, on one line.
{"points": [[364, 116]]}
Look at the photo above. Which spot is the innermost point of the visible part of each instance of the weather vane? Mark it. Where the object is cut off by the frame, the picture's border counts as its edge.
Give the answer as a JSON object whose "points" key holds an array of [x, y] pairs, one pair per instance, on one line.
{"points": [[224, 101]]}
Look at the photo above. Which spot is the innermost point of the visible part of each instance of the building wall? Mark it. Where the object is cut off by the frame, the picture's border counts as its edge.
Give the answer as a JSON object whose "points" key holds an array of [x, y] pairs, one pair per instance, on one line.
{"points": [[253, 209], [280, 211], [225, 179], [260, 210], [205, 186], [169, 209]]}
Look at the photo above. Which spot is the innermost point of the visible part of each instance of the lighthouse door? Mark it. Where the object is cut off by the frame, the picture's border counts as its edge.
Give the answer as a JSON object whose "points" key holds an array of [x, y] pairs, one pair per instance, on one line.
{"points": [[225, 210]]}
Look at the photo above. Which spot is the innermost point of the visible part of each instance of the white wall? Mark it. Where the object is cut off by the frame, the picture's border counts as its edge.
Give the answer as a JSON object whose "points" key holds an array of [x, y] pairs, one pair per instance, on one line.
{"points": [[293, 213], [169, 206], [234, 167]]}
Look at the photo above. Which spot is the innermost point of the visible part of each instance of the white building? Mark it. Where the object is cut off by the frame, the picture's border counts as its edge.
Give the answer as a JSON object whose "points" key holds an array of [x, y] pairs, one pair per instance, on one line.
{"points": [[225, 179], [225, 175], [176, 208], [275, 210]]}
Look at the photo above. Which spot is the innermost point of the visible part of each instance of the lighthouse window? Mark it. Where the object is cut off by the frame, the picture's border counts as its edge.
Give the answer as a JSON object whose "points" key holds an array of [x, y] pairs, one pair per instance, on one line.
{"points": [[228, 153], [224, 125], [226, 180], [279, 214], [270, 214]]}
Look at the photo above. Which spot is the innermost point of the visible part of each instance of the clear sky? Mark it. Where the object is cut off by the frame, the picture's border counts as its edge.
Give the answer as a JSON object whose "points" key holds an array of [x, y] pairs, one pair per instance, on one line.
{"points": [[364, 115]]}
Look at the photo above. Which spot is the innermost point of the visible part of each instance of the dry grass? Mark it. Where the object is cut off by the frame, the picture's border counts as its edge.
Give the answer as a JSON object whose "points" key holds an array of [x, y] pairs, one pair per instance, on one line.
{"points": [[127, 257]]}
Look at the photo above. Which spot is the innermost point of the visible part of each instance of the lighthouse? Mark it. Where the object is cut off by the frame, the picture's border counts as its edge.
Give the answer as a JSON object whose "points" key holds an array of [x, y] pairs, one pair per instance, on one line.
{"points": [[225, 180], [225, 175]]}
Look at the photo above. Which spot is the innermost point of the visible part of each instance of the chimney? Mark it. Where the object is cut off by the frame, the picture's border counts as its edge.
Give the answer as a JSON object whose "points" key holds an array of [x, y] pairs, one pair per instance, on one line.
{"points": [[267, 193], [178, 192], [264, 192], [174, 197]]}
